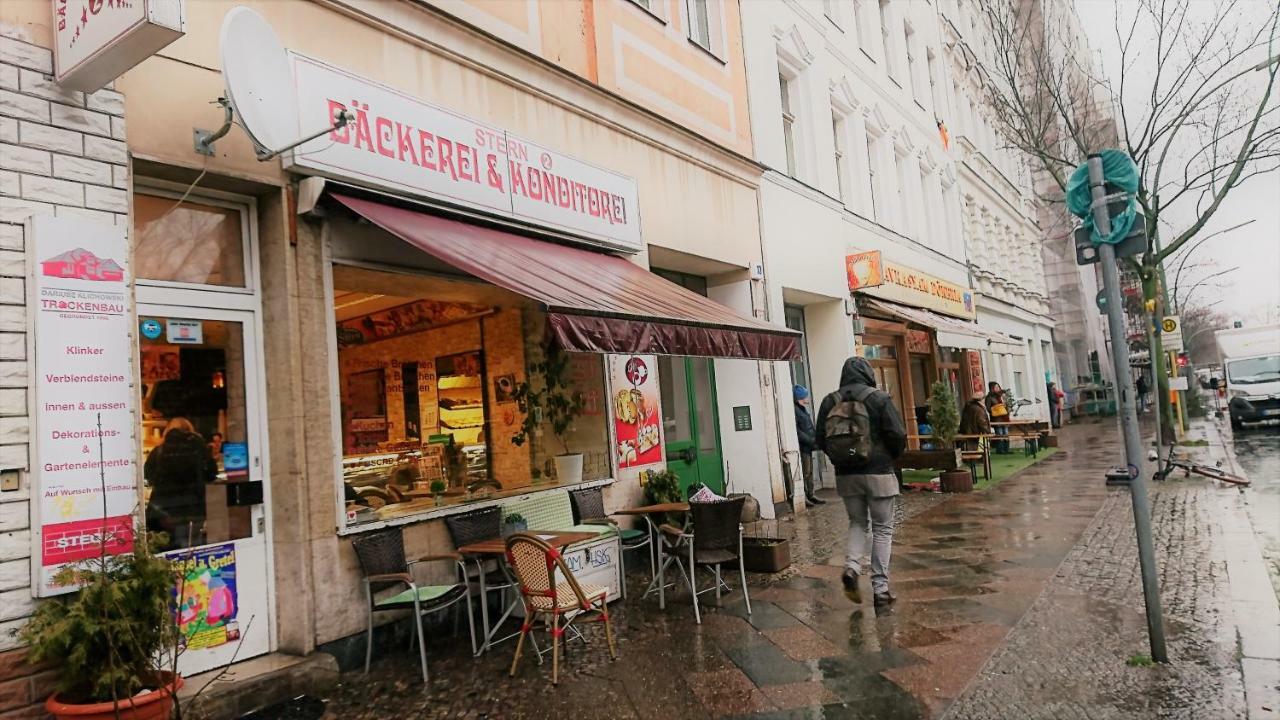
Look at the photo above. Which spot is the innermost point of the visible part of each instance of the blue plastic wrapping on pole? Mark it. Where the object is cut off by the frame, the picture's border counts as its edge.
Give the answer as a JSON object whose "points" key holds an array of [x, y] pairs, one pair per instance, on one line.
{"points": [[1119, 170]]}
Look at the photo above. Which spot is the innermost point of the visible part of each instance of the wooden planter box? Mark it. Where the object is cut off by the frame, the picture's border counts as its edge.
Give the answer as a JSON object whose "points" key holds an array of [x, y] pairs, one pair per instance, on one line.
{"points": [[930, 460], [765, 554]]}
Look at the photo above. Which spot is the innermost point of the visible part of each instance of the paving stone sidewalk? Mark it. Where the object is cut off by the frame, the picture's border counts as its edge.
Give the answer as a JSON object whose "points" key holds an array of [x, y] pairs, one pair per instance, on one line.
{"points": [[1067, 658], [966, 569]]}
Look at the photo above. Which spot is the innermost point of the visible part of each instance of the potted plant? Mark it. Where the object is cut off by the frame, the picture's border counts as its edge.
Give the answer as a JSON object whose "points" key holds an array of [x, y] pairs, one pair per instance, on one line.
{"points": [[944, 416], [547, 397], [437, 489], [661, 487], [512, 523], [108, 641]]}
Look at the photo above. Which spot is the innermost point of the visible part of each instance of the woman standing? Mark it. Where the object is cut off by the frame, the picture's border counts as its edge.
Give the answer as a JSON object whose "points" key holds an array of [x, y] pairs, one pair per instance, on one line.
{"points": [[177, 472], [999, 412]]}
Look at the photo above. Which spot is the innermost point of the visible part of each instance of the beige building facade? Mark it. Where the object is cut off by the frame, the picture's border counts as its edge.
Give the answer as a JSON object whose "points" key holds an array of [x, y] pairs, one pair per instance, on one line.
{"points": [[325, 340]]}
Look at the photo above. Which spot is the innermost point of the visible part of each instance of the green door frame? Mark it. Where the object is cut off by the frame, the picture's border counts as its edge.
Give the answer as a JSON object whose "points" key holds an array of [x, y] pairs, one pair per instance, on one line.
{"points": [[688, 459]]}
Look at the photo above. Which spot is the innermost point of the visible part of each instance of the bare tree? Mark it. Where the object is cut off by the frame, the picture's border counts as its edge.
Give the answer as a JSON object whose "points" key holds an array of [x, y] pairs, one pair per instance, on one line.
{"points": [[1195, 108]]}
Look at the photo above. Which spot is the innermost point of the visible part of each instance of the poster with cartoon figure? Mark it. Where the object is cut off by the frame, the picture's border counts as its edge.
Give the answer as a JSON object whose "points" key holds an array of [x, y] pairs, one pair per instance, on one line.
{"points": [[637, 421], [206, 596]]}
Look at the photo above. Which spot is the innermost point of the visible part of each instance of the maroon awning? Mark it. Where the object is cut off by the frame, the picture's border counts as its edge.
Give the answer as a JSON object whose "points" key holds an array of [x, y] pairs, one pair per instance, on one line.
{"points": [[594, 302]]}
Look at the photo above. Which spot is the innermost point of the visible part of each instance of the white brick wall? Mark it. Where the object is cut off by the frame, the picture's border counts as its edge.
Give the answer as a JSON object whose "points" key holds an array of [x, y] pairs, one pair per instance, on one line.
{"points": [[61, 152]]}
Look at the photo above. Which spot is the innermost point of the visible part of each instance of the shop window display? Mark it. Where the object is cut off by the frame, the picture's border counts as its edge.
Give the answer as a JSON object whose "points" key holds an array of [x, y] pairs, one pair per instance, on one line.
{"points": [[427, 368]]}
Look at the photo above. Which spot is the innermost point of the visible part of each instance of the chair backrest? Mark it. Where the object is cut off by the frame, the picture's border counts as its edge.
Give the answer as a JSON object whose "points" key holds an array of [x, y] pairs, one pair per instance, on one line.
{"points": [[543, 511], [536, 565], [469, 527], [381, 553], [588, 503], [716, 525]]}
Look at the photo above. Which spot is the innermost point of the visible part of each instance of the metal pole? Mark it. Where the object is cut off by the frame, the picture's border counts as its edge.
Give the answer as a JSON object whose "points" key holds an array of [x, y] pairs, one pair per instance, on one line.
{"points": [[1128, 416]]}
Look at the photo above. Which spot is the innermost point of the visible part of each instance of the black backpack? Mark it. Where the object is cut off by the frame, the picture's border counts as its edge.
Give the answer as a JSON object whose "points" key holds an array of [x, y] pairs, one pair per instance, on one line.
{"points": [[847, 429]]}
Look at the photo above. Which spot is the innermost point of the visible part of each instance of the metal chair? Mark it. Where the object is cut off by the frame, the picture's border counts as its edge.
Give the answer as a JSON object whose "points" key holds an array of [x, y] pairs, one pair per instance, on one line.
{"points": [[470, 527], [385, 567], [547, 597], [714, 538], [588, 509]]}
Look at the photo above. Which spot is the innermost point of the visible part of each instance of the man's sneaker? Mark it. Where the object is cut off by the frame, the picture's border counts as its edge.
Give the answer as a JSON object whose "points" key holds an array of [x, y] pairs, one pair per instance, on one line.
{"points": [[850, 581], [882, 599]]}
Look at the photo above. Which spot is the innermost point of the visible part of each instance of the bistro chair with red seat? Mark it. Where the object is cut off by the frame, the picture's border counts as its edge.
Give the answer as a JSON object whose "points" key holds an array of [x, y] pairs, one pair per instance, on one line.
{"points": [[553, 595], [385, 567], [714, 538]]}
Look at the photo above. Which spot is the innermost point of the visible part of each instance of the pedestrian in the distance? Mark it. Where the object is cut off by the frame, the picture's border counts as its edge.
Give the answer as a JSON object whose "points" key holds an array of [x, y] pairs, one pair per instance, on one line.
{"points": [[1055, 407], [975, 420], [998, 409], [1141, 387], [862, 433], [807, 434]]}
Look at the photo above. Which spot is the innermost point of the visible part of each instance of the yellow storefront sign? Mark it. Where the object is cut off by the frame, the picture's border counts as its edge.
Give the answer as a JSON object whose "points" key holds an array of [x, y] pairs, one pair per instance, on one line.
{"points": [[869, 273]]}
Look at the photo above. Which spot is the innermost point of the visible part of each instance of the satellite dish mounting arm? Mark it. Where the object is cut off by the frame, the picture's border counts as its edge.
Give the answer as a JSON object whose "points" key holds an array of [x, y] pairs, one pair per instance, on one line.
{"points": [[203, 140]]}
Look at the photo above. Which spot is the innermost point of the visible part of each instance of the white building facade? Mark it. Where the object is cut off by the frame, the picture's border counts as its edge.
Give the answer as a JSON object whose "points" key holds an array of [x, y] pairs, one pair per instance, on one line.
{"points": [[844, 100], [1001, 229]]}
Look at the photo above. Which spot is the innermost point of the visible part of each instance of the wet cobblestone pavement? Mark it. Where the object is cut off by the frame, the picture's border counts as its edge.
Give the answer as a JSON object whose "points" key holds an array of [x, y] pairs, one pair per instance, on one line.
{"points": [[966, 569]]}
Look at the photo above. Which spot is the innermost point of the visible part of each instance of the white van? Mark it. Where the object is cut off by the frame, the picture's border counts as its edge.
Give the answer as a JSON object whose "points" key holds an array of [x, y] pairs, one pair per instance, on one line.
{"points": [[1251, 364]]}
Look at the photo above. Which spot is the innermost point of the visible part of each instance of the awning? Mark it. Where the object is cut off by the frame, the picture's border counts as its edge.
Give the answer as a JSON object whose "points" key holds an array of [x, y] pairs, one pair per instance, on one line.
{"points": [[594, 302], [951, 332]]}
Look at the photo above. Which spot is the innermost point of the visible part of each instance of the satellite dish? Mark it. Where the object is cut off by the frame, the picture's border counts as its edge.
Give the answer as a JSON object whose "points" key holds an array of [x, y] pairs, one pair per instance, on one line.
{"points": [[259, 83], [255, 68]]}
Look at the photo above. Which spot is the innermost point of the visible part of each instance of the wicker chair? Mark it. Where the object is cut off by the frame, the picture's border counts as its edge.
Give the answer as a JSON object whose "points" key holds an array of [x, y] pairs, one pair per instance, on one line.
{"points": [[715, 538], [588, 509], [469, 527], [557, 603], [385, 567]]}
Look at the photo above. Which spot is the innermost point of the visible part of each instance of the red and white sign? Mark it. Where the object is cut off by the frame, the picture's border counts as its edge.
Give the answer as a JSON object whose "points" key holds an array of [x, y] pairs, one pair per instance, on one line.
{"points": [[402, 144], [97, 40], [82, 304]]}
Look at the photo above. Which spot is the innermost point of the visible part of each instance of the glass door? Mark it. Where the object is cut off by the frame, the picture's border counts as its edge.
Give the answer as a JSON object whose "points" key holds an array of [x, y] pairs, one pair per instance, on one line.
{"points": [[690, 421], [202, 446]]}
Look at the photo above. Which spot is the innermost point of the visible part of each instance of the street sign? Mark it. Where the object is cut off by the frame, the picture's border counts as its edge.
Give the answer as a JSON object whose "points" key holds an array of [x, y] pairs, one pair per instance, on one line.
{"points": [[1171, 333], [1178, 383]]}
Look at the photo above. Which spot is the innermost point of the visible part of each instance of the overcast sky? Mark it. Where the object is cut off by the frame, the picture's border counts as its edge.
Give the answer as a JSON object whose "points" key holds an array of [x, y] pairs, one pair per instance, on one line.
{"points": [[1254, 287]]}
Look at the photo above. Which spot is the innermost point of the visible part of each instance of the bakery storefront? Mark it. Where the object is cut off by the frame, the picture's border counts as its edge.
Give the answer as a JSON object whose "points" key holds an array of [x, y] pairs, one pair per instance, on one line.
{"points": [[468, 272], [918, 329]]}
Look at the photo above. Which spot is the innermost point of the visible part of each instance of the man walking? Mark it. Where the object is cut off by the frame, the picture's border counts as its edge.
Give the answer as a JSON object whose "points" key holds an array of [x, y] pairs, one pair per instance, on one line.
{"points": [[862, 432], [1141, 387], [807, 435]]}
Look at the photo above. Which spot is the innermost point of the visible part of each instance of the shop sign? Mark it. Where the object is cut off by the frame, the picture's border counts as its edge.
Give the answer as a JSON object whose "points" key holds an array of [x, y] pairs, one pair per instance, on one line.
{"points": [[907, 286], [97, 40], [401, 144], [918, 341], [636, 417], [977, 383], [82, 322]]}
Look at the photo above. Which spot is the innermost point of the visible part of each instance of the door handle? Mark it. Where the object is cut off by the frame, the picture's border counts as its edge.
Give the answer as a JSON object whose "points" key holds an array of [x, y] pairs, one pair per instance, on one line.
{"points": [[689, 455]]}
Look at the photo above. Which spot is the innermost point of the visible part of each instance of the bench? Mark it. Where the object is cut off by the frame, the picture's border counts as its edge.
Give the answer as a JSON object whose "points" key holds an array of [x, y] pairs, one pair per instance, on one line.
{"points": [[973, 449]]}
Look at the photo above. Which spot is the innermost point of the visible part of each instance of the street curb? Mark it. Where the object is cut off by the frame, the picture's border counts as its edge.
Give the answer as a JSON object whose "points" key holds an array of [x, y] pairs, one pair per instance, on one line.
{"points": [[1254, 605]]}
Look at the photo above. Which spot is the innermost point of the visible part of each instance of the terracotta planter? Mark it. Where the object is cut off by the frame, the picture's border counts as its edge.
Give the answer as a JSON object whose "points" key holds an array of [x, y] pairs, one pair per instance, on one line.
{"points": [[155, 705], [956, 481]]}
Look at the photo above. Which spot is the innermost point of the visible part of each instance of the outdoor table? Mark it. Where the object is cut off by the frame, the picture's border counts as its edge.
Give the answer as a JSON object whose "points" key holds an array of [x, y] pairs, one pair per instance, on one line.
{"points": [[647, 512], [498, 547], [1027, 430]]}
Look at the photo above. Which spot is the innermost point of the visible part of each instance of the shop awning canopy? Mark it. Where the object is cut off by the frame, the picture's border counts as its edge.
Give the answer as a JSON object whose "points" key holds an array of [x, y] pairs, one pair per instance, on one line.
{"points": [[952, 332], [594, 302]]}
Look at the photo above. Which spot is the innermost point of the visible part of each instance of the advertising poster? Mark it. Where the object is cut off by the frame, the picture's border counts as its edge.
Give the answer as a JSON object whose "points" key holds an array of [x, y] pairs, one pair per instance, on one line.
{"points": [[637, 421], [977, 384], [82, 371], [206, 596]]}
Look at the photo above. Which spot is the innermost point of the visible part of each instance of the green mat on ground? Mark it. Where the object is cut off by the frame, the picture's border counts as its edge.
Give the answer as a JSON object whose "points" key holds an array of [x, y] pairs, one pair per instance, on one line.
{"points": [[1002, 467]]}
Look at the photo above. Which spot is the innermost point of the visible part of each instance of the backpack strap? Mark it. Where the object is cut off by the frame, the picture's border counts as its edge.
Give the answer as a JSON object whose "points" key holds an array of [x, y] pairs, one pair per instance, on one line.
{"points": [[862, 394]]}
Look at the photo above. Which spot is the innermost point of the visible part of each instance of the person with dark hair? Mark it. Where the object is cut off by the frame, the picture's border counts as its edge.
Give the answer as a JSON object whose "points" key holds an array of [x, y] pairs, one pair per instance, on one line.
{"points": [[863, 433], [807, 435], [998, 409], [177, 471]]}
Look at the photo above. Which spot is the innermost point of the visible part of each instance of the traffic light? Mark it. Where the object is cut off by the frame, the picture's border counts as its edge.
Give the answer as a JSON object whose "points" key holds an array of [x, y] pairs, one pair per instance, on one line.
{"points": [[1183, 359]]}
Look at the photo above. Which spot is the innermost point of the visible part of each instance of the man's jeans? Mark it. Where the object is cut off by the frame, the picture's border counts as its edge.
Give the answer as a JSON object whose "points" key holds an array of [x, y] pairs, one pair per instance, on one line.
{"points": [[878, 512], [806, 465]]}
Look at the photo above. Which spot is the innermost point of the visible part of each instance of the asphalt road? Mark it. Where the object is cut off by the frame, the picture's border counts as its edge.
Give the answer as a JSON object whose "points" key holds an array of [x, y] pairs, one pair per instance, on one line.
{"points": [[1258, 452]]}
